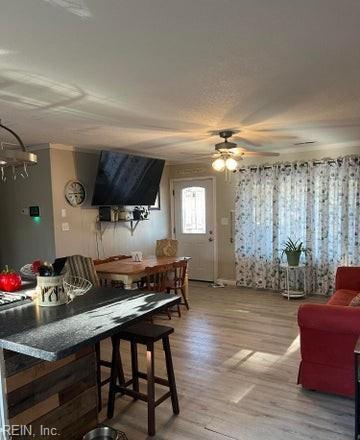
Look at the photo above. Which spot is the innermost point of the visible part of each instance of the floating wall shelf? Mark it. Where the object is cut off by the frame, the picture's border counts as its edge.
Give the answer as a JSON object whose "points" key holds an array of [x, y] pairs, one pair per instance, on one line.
{"points": [[132, 223]]}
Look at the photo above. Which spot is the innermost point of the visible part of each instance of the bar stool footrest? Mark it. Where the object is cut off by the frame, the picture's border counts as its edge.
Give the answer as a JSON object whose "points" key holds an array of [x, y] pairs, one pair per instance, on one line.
{"points": [[158, 380]]}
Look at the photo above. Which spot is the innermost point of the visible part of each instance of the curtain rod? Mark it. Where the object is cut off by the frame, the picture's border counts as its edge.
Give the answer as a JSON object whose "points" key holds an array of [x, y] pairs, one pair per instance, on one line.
{"points": [[339, 160]]}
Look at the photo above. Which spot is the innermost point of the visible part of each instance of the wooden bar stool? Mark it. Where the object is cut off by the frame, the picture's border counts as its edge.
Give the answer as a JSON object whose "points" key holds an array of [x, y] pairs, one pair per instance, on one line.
{"points": [[103, 363], [145, 334]]}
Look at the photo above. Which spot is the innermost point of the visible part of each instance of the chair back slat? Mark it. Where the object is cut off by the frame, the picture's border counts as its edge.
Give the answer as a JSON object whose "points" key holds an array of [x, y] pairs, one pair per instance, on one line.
{"points": [[83, 267], [180, 268]]}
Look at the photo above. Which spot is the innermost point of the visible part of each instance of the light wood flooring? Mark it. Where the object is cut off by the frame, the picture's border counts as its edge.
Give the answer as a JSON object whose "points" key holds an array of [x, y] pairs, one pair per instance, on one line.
{"points": [[236, 354]]}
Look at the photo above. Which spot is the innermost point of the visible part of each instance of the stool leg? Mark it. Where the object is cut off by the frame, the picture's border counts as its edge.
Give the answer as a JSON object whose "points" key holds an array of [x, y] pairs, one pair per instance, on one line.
{"points": [[120, 370], [113, 376], [98, 374], [134, 366], [150, 388], [171, 375]]}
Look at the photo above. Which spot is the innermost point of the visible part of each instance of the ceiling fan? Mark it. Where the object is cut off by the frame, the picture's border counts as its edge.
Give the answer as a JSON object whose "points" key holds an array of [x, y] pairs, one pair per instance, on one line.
{"points": [[228, 153]]}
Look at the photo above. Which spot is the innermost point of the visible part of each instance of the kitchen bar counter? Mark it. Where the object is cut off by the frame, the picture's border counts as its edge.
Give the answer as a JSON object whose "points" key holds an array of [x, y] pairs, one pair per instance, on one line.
{"points": [[62, 392]]}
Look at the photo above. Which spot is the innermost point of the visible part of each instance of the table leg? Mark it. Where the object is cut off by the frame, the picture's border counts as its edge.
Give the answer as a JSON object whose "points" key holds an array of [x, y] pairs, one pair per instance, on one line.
{"points": [[4, 422], [357, 398], [128, 282], [186, 285]]}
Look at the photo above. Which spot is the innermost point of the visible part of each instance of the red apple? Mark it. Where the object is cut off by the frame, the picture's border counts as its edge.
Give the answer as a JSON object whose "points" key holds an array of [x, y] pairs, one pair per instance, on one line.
{"points": [[9, 280]]}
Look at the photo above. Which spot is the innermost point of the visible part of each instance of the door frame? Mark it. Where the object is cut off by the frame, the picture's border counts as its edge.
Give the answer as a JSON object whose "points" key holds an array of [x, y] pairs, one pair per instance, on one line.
{"points": [[172, 213]]}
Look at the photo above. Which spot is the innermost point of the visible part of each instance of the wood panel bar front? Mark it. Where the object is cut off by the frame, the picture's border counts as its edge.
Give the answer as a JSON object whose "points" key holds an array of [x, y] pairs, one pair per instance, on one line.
{"points": [[48, 400]]}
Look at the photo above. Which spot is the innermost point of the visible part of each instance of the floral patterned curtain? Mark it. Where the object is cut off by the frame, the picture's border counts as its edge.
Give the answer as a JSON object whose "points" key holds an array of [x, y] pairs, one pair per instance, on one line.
{"points": [[318, 203]]}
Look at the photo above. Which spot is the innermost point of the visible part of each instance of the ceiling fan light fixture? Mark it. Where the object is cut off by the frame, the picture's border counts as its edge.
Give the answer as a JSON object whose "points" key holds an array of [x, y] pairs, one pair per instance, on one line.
{"points": [[231, 164], [218, 164]]}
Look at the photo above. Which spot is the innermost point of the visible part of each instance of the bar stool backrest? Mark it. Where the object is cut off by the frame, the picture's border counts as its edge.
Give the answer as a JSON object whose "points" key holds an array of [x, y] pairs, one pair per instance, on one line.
{"points": [[83, 267]]}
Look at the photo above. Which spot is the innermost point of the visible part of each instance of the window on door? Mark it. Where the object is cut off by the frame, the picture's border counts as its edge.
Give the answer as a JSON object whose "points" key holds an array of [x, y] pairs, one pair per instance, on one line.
{"points": [[193, 207]]}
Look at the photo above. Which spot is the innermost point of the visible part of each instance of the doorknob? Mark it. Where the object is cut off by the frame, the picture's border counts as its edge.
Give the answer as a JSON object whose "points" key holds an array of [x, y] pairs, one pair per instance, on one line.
{"points": [[211, 239]]}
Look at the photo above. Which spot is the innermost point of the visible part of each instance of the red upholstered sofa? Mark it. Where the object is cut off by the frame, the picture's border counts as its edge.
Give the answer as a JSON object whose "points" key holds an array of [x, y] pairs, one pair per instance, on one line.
{"points": [[328, 334]]}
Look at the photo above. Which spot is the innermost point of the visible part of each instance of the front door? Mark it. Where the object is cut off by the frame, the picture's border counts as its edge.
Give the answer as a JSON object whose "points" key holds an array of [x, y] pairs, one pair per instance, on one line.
{"points": [[194, 225]]}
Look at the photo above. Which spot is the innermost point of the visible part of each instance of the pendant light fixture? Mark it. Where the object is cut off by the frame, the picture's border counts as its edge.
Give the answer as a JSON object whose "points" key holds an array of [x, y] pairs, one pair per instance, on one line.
{"points": [[14, 158]]}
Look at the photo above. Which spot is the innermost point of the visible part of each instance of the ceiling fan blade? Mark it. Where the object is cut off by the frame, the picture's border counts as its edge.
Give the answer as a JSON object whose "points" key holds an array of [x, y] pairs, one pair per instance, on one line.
{"points": [[259, 153], [247, 141]]}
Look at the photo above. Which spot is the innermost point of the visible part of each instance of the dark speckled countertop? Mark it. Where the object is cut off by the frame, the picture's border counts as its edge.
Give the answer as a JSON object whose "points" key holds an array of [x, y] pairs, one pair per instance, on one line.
{"points": [[52, 333]]}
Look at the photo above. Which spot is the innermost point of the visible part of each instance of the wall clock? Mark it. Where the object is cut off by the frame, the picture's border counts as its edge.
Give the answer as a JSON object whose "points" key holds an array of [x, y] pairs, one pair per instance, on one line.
{"points": [[75, 193]]}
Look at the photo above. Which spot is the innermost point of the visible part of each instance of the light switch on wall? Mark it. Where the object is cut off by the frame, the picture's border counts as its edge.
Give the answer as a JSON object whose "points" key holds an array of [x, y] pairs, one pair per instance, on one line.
{"points": [[65, 226]]}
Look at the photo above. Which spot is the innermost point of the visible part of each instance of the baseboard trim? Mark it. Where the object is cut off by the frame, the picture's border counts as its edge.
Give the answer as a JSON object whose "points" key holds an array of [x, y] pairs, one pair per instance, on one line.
{"points": [[226, 282]]}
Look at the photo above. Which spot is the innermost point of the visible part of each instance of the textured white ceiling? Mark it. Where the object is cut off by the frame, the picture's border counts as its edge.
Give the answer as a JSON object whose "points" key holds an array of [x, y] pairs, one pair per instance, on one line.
{"points": [[156, 76]]}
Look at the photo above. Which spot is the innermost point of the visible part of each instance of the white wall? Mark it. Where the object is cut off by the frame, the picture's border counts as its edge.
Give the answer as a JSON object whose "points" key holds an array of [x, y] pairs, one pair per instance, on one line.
{"points": [[116, 238]]}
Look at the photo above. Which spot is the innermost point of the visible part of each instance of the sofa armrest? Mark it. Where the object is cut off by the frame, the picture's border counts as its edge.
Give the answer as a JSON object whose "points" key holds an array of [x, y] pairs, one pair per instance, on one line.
{"points": [[331, 319], [348, 277]]}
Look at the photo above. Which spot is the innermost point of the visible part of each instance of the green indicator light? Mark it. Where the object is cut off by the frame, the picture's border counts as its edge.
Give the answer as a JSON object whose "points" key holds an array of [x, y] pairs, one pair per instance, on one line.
{"points": [[37, 219]]}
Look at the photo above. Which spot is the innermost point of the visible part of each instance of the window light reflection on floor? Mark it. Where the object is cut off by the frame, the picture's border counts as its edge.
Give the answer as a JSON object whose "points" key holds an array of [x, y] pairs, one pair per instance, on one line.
{"points": [[294, 347], [236, 398], [252, 360]]}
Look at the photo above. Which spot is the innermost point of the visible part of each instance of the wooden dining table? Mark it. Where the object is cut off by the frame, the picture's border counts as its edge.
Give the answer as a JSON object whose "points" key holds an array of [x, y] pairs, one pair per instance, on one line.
{"points": [[129, 272]]}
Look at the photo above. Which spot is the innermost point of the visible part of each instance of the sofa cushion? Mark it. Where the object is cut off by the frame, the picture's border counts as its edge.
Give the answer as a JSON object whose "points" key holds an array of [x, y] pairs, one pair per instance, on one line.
{"points": [[342, 297]]}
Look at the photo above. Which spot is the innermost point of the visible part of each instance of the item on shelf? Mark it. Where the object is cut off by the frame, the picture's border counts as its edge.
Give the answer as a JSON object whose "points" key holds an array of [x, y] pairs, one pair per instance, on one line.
{"points": [[9, 280], [137, 213], [125, 215], [137, 256], [144, 213], [140, 213], [292, 250], [108, 214]]}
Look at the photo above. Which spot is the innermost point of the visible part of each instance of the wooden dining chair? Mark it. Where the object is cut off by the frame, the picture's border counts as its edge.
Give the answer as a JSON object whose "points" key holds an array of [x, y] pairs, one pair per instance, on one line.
{"points": [[177, 283], [155, 279]]}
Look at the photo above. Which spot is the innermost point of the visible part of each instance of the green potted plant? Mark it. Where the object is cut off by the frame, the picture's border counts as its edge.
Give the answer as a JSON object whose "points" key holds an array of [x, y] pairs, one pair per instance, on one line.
{"points": [[292, 250]]}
